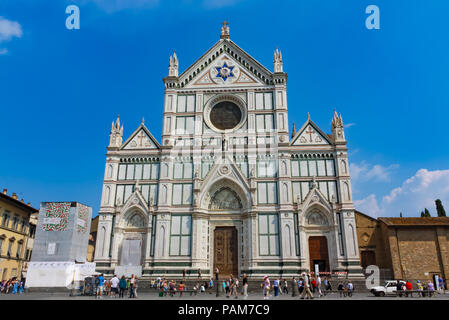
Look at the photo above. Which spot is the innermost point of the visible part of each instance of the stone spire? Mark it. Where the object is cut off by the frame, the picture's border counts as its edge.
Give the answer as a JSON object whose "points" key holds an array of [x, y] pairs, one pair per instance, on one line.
{"points": [[225, 30], [173, 66], [116, 135], [293, 130], [338, 131], [277, 61]]}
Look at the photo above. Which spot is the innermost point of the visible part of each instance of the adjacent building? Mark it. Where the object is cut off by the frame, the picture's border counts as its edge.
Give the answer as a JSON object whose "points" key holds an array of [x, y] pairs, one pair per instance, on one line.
{"points": [[16, 235], [405, 248]]}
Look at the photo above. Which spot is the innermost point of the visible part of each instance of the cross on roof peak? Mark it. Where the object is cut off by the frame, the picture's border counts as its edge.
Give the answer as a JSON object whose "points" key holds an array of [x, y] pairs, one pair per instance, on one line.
{"points": [[224, 30]]}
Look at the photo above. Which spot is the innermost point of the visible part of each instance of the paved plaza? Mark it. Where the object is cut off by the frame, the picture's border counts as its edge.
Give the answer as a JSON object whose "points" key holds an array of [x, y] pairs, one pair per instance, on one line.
{"points": [[207, 296]]}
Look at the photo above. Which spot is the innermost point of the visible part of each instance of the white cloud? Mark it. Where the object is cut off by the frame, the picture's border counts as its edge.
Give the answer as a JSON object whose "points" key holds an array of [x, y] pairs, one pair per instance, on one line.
{"points": [[416, 193], [348, 125], [368, 205], [3, 51], [366, 172], [9, 29]]}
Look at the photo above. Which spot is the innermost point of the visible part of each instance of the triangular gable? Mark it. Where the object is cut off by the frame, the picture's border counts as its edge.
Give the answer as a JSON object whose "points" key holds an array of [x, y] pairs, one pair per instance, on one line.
{"points": [[310, 134], [135, 200], [247, 70], [217, 172], [315, 197], [141, 138], [225, 71]]}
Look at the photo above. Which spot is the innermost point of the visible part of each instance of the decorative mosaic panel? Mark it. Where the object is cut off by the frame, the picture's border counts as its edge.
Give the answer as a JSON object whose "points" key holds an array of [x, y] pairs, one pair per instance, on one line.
{"points": [[56, 216], [83, 216]]}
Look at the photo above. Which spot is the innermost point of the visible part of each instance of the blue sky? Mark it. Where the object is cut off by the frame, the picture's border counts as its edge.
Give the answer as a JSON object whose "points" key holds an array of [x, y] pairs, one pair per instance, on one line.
{"points": [[60, 89]]}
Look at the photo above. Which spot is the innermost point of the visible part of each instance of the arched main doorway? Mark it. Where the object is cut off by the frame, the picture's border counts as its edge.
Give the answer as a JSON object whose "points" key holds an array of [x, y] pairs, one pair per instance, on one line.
{"points": [[226, 251]]}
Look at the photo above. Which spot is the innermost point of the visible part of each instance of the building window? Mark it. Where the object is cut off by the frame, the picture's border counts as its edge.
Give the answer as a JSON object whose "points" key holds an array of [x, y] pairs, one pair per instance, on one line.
{"points": [[264, 122], [5, 221], [185, 125], [144, 171], [205, 168], [267, 192], [182, 170], [186, 103], [1, 245], [28, 255], [264, 101], [19, 250], [9, 253], [180, 235], [267, 168], [149, 191], [312, 167], [297, 242], [268, 235], [153, 234], [15, 223], [340, 234], [327, 188], [32, 231], [243, 165], [123, 192], [182, 194]]}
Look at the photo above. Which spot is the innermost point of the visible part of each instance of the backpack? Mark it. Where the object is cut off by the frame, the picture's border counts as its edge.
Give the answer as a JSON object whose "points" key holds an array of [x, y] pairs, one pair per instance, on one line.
{"points": [[97, 281]]}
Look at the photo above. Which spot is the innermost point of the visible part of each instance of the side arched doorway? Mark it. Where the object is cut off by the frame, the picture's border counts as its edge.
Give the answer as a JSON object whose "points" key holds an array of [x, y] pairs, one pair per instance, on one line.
{"points": [[318, 253]]}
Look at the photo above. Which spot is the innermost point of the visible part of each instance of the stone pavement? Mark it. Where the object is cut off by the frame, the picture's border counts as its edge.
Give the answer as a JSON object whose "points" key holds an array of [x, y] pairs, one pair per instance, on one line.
{"points": [[205, 296]]}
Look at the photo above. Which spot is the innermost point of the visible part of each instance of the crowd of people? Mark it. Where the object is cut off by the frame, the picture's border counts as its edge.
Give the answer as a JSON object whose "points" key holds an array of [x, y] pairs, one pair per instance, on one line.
{"points": [[13, 286], [405, 288], [306, 287], [115, 287]]}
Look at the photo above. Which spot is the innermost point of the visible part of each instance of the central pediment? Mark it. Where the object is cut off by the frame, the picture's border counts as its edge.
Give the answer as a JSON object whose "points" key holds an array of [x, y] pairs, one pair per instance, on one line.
{"points": [[225, 64]]}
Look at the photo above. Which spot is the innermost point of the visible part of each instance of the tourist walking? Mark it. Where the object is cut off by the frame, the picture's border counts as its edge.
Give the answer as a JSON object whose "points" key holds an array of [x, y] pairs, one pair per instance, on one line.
{"points": [[136, 285], [327, 286], [276, 287], [245, 286], [122, 286], [285, 287], [266, 287], [236, 288], [114, 285], [100, 284], [341, 289], [441, 288], [318, 286], [131, 286], [294, 287], [306, 291], [181, 288]]}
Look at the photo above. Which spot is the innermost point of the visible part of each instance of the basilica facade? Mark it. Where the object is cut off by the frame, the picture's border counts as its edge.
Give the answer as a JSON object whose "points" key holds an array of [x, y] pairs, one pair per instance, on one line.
{"points": [[228, 186]]}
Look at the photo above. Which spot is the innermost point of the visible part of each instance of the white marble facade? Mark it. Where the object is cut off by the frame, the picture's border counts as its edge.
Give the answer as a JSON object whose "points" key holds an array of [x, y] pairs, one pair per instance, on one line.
{"points": [[227, 159]]}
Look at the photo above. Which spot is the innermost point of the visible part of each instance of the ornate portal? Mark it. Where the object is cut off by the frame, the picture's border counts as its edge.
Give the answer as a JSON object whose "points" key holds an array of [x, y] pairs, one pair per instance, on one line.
{"points": [[225, 198]]}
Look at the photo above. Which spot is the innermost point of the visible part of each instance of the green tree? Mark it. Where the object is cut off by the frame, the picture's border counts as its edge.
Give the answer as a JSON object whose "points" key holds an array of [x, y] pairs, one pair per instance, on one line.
{"points": [[422, 214], [426, 213], [440, 208]]}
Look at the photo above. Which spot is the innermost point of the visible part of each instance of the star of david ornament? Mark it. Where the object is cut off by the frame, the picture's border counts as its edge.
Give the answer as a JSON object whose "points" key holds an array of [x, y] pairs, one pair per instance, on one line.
{"points": [[224, 72]]}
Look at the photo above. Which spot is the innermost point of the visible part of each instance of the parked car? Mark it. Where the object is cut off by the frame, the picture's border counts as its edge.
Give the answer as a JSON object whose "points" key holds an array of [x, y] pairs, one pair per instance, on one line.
{"points": [[389, 288]]}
